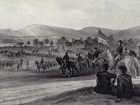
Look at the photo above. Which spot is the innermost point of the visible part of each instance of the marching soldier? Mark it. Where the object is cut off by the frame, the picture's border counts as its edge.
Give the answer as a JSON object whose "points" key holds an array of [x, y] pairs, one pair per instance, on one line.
{"points": [[79, 61]]}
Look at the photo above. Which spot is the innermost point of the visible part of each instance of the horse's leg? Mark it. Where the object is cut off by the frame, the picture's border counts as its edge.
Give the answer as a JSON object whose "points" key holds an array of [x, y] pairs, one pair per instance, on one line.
{"points": [[39, 69], [73, 71], [62, 71], [69, 75], [45, 69]]}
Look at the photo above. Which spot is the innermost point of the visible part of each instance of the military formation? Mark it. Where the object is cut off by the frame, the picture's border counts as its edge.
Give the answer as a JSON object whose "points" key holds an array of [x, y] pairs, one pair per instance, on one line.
{"points": [[106, 80]]}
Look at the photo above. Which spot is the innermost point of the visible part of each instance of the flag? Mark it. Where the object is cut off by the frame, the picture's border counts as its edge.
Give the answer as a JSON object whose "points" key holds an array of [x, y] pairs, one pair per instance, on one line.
{"points": [[102, 35], [102, 41]]}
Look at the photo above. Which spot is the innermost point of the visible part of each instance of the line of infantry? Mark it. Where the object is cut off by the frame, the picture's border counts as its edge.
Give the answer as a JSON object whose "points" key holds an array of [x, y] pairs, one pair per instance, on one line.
{"points": [[106, 80]]}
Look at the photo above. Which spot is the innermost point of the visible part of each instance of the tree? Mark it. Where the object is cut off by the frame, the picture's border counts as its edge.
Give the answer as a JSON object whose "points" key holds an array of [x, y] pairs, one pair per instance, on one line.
{"points": [[88, 38], [35, 42], [46, 41], [51, 44], [28, 43], [68, 44], [20, 43]]}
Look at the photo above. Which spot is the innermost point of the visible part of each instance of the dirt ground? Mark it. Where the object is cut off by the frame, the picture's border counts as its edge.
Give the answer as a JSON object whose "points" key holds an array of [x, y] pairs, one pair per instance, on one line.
{"points": [[51, 88], [19, 87], [84, 96]]}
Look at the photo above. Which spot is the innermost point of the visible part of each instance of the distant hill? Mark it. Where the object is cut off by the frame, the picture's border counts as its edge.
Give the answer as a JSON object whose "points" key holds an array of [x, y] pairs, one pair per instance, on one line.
{"points": [[51, 32], [94, 31], [44, 31], [128, 33]]}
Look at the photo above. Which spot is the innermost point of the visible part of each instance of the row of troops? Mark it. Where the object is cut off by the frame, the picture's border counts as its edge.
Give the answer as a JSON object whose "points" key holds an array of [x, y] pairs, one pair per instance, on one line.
{"points": [[93, 55], [12, 54], [41, 62], [6, 63]]}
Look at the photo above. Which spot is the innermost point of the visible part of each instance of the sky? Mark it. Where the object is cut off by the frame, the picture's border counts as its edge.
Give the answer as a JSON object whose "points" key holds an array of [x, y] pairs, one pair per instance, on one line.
{"points": [[77, 14]]}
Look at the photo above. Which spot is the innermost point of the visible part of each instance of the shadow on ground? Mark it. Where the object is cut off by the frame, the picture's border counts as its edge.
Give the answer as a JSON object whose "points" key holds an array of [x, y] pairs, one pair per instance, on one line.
{"points": [[85, 96]]}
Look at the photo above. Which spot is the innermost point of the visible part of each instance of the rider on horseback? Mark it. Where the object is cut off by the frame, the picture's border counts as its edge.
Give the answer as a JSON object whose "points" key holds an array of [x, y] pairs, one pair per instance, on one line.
{"points": [[91, 55], [66, 58], [96, 54], [119, 52], [42, 61]]}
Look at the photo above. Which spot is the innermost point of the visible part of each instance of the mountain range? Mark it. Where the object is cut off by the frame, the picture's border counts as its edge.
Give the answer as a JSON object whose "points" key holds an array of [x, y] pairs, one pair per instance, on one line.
{"points": [[43, 31]]}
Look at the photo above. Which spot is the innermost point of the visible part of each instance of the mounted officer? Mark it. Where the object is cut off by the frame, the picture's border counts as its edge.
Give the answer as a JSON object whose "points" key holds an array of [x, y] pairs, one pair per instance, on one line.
{"points": [[96, 54], [119, 53], [126, 52], [66, 58], [91, 55], [42, 61]]}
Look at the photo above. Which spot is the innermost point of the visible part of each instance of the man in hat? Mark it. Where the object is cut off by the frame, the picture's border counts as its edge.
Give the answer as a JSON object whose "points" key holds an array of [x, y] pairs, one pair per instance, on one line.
{"points": [[124, 85], [105, 81], [66, 57], [42, 61], [126, 52]]}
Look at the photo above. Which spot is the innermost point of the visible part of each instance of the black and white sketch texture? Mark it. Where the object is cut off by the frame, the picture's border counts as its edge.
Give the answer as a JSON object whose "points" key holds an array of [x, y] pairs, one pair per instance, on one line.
{"points": [[69, 52]]}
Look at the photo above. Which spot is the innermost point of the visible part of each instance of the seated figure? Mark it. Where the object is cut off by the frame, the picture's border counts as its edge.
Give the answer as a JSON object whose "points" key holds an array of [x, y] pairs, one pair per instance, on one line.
{"points": [[124, 85], [104, 81]]}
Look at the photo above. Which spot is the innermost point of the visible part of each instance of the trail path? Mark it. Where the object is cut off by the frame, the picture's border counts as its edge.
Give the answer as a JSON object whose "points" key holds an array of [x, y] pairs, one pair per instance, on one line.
{"points": [[23, 94]]}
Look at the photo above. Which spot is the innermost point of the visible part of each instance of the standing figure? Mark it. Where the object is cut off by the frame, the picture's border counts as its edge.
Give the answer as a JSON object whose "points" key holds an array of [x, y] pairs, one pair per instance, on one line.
{"points": [[27, 65], [21, 63], [79, 61]]}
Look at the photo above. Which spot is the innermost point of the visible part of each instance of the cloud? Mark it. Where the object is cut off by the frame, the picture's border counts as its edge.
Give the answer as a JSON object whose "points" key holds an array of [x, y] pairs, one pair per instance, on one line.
{"points": [[115, 14]]}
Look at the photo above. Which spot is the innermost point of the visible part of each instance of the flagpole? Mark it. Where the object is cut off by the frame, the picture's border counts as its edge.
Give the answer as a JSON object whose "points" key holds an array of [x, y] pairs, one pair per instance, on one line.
{"points": [[98, 42]]}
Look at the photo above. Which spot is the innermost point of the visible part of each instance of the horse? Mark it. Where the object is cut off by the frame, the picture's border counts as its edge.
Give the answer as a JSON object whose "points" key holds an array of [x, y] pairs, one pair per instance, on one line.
{"points": [[64, 66], [96, 65], [130, 62], [40, 66]]}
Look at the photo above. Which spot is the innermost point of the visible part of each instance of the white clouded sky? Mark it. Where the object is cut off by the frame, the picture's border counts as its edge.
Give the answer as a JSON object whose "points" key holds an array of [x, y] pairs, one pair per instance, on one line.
{"points": [[115, 14]]}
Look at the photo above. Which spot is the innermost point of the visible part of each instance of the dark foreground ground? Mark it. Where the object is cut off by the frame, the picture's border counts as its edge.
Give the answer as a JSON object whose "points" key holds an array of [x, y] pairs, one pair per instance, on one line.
{"points": [[85, 96]]}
